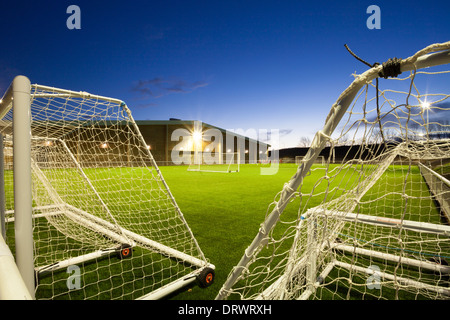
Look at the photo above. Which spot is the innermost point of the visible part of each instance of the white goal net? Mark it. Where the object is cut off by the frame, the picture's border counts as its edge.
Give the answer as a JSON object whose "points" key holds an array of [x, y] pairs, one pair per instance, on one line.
{"points": [[105, 225], [371, 225]]}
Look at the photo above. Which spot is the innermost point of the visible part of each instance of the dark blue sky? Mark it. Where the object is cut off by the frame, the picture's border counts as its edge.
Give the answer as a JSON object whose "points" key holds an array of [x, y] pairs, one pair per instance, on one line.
{"points": [[234, 64]]}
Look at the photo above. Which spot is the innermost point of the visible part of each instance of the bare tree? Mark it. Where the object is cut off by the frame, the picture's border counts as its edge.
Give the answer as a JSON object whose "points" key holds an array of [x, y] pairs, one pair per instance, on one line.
{"points": [[304, 142], [343, 140]]}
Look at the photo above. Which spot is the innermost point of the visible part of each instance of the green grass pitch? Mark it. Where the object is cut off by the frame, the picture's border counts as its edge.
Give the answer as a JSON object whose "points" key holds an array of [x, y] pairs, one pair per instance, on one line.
{"points": [[225, 211]]}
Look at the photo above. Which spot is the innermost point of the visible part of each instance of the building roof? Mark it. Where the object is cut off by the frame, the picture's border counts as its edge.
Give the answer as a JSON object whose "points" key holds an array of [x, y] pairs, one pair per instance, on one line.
{"points": [[174, 121]]}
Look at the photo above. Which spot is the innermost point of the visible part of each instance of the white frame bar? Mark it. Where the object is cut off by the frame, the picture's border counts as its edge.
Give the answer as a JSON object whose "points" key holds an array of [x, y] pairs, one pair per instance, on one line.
{"points": [[18, 97], [439, 190], [63, 93], [63, 264], [173, 286], [403, 281], [443, 179], [393, 258], [21, 106], [427, 227], [12, 286]]}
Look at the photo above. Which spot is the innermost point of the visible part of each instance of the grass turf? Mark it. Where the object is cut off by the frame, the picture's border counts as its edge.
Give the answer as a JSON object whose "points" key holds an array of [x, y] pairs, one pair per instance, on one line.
{"points": [[225, 211]]}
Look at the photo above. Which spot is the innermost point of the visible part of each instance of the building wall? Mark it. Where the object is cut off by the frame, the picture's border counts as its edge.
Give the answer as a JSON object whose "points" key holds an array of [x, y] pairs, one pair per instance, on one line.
{"points": [[162, 136]]}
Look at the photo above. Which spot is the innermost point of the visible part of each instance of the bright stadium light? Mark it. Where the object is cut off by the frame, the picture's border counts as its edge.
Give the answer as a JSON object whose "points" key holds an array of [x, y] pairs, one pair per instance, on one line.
{"points": [[425, 105], [197, 136]]}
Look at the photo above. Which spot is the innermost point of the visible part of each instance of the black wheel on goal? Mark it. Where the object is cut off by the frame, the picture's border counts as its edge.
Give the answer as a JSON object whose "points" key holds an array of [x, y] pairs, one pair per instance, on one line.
{"points": [[125, 251], [206, 277]]}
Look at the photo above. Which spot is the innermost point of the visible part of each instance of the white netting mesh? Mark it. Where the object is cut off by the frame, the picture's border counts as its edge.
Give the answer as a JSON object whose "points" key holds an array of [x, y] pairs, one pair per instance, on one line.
{"points": [[96, 190], [366, 225]]}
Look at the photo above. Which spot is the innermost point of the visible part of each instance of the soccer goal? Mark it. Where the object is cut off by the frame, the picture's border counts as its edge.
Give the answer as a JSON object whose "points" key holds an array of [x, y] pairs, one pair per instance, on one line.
{"points": [[215, 162], [87, 212], [368, 227], [320, 160]]}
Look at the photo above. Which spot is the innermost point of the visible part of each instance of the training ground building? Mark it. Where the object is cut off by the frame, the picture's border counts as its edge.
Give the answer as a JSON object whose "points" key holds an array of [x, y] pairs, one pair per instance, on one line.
{"points": [[169, 140]]}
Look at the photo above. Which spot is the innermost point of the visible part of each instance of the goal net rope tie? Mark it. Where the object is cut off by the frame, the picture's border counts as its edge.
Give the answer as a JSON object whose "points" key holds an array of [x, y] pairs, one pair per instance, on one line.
{"points": [[390, 68]]}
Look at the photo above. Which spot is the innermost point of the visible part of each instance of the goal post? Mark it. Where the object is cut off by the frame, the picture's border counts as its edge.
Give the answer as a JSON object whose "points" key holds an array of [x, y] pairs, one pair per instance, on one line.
{"points": [[348, 231], [19, 95], [96, 215], [12, 285]]}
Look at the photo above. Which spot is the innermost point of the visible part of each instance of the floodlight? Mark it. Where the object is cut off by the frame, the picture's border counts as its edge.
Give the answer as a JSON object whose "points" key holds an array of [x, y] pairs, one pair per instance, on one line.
{"points": [[197, 136], [425, 105]]}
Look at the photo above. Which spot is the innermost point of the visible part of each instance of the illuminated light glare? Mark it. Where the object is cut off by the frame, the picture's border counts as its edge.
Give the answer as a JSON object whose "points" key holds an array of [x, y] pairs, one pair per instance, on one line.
{"points": [[425, 105], [197, 136], [104, 145]]}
